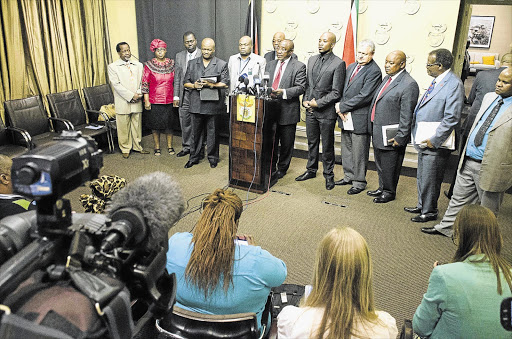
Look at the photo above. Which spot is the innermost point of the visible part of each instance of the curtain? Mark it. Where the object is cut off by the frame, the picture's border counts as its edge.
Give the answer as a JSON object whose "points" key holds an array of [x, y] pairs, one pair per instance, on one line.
{"points": [[50, 46]]}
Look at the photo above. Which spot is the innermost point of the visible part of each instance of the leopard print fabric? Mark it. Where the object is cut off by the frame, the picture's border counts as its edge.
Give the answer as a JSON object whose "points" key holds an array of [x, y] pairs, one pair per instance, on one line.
{"points": [[102, 189]]}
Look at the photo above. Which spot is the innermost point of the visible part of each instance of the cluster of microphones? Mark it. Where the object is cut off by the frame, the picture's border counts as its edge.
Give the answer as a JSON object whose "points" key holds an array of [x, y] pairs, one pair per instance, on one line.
{"points": [[257, 89]]}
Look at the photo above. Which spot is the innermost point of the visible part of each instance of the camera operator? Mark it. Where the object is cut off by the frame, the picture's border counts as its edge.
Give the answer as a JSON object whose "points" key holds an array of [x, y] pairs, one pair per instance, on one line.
{"points": [[10, 203]]}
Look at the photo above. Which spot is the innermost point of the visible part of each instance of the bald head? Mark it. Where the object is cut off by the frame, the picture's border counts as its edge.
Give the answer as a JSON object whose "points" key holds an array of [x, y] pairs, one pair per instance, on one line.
{"points": [[207, 48], [245, 46], [285, 49], [276, 39], [395, 62], [504, 83], [326, 42], [506, 60]]}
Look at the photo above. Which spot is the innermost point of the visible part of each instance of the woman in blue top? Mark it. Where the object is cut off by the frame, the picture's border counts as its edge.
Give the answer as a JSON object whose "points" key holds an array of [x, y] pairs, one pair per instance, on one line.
{"points": [[215, 273], [463, 298]]}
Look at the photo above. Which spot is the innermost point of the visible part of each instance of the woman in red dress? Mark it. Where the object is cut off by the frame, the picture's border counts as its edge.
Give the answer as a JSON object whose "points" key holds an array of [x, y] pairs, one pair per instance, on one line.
{"points": [[158, 90]]}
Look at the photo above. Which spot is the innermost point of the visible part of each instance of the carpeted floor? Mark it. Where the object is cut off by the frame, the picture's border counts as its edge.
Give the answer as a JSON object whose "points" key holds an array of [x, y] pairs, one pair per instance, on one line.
{"points": [[290, 221]]}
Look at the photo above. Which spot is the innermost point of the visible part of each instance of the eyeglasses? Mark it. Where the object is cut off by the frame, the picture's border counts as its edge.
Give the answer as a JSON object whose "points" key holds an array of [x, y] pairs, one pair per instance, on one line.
{"points": [[430, 65]]}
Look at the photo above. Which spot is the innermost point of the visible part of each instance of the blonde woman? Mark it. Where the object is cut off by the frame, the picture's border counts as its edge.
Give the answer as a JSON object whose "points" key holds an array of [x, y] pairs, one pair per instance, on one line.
{"points": [[340, 304], [217, 274], [463, 298]]}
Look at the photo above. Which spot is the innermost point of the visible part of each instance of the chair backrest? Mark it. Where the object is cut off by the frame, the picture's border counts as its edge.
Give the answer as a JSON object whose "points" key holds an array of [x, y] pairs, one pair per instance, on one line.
{"points": [[4, 137], [186, 324], [28, 114], [67, 105], [97, 96]]}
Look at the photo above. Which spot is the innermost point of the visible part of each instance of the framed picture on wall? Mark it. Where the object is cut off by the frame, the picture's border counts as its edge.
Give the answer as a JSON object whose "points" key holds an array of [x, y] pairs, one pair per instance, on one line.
{"points": [[480, 31]]}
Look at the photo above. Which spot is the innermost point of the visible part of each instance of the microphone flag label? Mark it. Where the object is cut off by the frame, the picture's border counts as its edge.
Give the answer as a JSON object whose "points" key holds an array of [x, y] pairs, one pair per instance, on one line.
{"points": [[245, 108]]}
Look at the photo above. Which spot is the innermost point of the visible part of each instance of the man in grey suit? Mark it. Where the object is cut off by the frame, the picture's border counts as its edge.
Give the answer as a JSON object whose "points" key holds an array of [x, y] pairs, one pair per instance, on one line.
{"points": [[484, 174], [325, 78], [125, 76], [441, 104], [180, 99], [393, 104], [204, 111], [288, 78], [245, 62], [363, 78]]}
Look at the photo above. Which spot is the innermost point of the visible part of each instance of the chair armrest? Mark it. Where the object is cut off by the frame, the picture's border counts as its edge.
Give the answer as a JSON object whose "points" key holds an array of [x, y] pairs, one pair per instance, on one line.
{"points": [[67, 123], [26, 136], [103, 114]]}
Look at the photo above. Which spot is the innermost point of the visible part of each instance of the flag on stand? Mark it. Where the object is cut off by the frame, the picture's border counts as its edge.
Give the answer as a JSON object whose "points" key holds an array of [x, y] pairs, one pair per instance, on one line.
{"points": [[251, 26], [349, 48]]}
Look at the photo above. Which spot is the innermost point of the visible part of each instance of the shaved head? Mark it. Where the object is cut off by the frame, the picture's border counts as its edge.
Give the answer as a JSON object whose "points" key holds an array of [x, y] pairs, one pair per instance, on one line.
{"points": [[276, 40], [395, 62], [207, 48]]}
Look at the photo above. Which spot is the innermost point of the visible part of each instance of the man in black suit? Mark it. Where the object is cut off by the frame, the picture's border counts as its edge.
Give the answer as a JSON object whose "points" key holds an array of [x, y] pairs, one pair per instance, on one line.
{"points": [[204, 112], [363, 78], [288, 78], [325, 78], [181, 62], [393, 104], [276, 41]]}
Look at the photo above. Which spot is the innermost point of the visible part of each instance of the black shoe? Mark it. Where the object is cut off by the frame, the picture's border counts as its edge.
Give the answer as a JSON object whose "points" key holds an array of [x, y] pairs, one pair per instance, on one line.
{"points": [[213, 164], [182, 153], [384, 198], [190, 164], [329, 184], [354, 190], [280, 174], [447, 194], [414, 210], [305, 176], [431, 230], [425, 217], [376, 193], [342, 182]]}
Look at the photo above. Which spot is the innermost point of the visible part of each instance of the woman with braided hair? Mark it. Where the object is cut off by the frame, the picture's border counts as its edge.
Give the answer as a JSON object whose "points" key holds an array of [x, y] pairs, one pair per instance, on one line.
{"points": [[216, 273]]}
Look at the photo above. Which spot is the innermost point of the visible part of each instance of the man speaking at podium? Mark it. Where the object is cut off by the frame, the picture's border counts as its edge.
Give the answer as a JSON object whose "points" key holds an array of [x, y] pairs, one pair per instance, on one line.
{"points": [[288, 83]]}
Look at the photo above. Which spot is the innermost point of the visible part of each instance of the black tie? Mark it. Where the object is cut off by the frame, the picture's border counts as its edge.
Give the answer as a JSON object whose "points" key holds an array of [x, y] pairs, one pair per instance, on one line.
{"points": [[479, 138], [316, 68]]}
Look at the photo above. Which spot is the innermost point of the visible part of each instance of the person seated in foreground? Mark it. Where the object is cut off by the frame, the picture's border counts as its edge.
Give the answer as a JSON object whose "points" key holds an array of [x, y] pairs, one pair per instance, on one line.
{"points": [[216, 272], [463, 298], [11, 203], [340, 304]]}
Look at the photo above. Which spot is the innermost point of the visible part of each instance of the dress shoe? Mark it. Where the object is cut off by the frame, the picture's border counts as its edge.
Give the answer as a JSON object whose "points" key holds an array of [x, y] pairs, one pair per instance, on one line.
{"points": [[425, 217], [182, 153], [305, 176], [431, 230], [329, 184], [384, 198], [414, 210], [280, 174], [142, 151], [342, 182], [376, 193], [354, 190], [213, 164], [126, 155], [190, 164]]}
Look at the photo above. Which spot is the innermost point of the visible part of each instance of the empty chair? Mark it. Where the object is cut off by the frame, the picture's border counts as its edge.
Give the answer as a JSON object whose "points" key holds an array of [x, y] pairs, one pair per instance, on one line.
{"points": [[97, 96], [7, 144], [68, 105], [28, 115]]}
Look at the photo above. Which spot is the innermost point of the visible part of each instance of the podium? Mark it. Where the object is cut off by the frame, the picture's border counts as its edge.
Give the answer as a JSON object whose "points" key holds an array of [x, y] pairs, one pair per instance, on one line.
{"points": [[250, 144]]}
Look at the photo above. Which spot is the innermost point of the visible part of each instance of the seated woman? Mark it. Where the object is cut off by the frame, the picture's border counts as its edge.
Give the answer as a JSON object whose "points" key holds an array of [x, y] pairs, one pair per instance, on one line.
{"points": [[217, 274], [340, 304], [463, 298]]}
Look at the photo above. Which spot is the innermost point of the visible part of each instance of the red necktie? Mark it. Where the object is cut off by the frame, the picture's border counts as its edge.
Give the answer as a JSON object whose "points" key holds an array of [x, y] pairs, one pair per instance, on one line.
{"points": [[356, 71], [275, 83], [378, 97]]}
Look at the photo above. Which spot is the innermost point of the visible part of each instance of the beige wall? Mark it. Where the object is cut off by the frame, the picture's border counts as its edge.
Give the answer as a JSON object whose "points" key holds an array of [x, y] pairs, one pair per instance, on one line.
{"points": [[409, 33], [502, 33], [122, 25]]}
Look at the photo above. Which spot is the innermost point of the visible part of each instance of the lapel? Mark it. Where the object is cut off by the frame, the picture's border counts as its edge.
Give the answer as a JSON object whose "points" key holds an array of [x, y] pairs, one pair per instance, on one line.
{"points": [[393, 84], [272, 69], [211, 66], [438, 87], [482, 110], [359, 74], [324, 67], [374, 100], [505, 116], [350, 69], [311, 64], [288, 71]]}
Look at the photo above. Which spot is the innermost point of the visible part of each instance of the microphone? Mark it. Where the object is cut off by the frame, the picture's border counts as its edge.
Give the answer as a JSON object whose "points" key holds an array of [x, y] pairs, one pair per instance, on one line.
{"points": [[143, 212], [266, 79], [240, 81], [257, 84]]}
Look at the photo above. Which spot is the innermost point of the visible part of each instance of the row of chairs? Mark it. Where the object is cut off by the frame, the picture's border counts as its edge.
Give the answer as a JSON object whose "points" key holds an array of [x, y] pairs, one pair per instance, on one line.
{"points": [[28, 125]]}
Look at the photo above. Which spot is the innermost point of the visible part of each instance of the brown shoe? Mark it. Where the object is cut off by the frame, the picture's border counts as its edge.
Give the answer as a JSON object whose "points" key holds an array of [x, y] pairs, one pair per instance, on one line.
{"points": [[126, 155], [143, 151]]}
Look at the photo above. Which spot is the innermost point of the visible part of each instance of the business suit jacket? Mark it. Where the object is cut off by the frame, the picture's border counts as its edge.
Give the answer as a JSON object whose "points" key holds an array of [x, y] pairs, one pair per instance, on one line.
{"points": [[462, 302], [255, 66], [180, 65], [496, 170], [358, 94], [395, 106], [444, 104], [327, 88], [120, 79], [293, 81], [196, 70], [269, 56]]}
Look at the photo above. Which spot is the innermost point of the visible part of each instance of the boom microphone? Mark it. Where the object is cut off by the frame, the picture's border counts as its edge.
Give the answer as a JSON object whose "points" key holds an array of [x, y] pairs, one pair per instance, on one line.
{"points": [[257, 84], [145, 209]]}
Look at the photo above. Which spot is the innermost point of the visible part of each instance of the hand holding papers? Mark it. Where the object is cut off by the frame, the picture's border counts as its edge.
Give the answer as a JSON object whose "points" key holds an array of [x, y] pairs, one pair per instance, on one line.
{"points": [[427, 129]]}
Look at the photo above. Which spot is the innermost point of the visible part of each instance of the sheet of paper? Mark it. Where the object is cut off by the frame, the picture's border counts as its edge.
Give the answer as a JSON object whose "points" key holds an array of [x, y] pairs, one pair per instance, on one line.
{"points": [[427, 129], [348, 124]]}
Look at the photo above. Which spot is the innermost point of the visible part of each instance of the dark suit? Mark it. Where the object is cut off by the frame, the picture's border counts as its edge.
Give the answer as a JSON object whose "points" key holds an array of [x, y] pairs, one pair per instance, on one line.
{"points": [[357, 97], [326, 89], [443, 105], [286, 112], [185, 119], [395, 105], [204, 113], [269, 56]]}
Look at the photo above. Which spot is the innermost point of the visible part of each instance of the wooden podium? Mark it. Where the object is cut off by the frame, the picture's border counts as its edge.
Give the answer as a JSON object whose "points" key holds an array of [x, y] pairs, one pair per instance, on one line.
{"points": [[250, 144]]}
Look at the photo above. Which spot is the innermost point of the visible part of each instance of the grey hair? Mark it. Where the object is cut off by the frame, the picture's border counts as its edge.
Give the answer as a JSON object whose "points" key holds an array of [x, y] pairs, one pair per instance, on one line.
{"points": [[367, 43]]}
